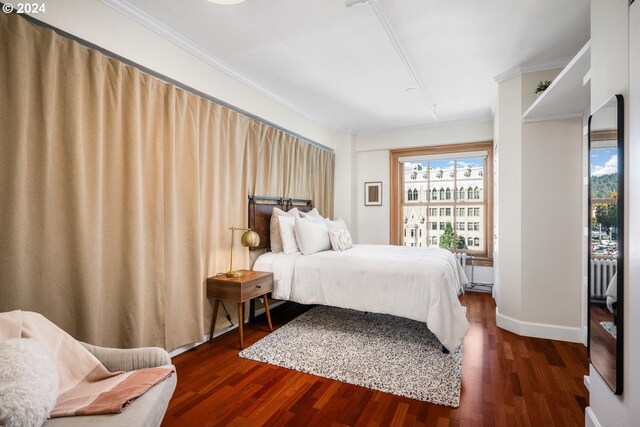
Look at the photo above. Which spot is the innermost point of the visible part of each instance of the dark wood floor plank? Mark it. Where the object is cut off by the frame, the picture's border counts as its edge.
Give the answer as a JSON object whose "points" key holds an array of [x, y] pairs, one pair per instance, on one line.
{"points": [[507, 380]]}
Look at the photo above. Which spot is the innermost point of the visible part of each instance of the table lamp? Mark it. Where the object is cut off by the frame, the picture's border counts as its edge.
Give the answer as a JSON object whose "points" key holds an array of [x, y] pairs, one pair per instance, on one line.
{"points": [[249, 239]]}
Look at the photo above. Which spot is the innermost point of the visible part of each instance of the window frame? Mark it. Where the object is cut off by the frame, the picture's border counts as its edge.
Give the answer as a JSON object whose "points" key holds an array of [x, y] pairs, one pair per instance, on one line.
{"points": [[397, 192]]}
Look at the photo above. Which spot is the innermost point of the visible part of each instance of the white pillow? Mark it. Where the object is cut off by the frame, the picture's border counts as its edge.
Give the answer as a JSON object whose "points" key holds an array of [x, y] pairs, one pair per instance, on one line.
{"points": [[337, 224], [340, 239], [312, 213], [28, 383], [312, 235], [288, 234], [274, 228]]}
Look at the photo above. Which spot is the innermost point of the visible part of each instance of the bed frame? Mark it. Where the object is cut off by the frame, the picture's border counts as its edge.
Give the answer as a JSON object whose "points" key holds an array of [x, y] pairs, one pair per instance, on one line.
{"points": [[260, 209]]}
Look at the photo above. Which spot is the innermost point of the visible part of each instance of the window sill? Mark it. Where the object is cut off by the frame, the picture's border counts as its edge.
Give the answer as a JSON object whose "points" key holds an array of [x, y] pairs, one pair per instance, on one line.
{"points": [[480, 261]]}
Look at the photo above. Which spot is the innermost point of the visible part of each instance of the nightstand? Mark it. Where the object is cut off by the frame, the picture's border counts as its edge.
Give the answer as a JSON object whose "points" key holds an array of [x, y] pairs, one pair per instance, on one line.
{"points": [[240, 289]]}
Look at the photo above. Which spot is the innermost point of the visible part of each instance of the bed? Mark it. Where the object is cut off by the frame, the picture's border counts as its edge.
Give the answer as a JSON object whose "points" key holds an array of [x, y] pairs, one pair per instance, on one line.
{"points": [[422, 284]]}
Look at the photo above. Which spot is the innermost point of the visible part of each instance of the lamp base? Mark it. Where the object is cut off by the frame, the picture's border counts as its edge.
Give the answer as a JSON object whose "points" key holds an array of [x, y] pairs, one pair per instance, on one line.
{"points": [[236, 274]]}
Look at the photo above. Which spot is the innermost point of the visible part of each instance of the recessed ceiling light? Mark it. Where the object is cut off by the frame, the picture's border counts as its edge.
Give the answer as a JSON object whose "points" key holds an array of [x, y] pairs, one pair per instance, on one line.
{"points": [[226, 2]]}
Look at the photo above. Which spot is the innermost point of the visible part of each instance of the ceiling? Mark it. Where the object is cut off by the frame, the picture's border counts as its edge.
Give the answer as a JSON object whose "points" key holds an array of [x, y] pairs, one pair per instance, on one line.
{"points": [[338, 67]]}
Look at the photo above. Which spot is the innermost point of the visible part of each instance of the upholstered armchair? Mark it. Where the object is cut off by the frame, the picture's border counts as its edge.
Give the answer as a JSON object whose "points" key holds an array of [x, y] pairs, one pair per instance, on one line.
{"points": [[146, 410]]}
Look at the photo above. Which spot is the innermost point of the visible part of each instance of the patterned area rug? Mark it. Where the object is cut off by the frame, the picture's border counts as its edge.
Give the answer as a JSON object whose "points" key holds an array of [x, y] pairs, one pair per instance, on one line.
{"points": [[611, 328], [380, 352]]}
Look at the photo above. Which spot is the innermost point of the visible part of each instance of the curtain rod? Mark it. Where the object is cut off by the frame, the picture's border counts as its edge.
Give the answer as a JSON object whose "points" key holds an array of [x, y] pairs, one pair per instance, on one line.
{"points": [[167, 79]]}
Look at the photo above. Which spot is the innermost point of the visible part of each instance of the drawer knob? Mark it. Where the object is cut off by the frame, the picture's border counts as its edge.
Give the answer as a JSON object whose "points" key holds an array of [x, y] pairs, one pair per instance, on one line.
{"points": [[258, 286]]}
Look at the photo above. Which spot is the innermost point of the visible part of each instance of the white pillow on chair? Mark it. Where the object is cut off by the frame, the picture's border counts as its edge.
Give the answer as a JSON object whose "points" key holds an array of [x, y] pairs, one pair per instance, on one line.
{"points": [[274, 229], [312, 235], [28, 383]]}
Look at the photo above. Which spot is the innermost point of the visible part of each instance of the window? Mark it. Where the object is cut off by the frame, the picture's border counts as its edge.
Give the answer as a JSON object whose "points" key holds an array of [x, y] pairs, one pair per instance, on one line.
{"points": [[452, 184], [470, 241]]}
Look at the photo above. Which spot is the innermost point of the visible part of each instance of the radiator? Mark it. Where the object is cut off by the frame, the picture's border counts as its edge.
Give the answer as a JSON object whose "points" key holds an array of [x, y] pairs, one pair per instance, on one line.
{"points": [[462, 258], [602, 270]]}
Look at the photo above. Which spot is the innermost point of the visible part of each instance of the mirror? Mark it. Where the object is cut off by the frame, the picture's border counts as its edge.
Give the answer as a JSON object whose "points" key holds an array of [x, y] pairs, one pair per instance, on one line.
{"points": [[606, 240]]}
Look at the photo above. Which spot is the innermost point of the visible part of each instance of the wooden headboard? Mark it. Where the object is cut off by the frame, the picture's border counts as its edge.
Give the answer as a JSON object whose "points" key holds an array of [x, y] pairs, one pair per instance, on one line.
{"points": [[260, 209]]}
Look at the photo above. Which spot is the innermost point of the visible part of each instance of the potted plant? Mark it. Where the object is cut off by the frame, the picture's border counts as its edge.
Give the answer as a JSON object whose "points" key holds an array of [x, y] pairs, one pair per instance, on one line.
{"points": [[542, 86]]}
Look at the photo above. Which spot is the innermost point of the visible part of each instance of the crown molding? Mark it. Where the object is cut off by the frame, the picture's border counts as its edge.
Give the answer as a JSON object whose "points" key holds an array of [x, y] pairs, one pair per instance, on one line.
{"points": [[519, 70], [176, 38]]}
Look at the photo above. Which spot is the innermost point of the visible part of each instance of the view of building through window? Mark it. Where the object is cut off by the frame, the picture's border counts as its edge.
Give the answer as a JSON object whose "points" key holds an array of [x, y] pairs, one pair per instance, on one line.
{"points": [[604, 201], [444, 204]]}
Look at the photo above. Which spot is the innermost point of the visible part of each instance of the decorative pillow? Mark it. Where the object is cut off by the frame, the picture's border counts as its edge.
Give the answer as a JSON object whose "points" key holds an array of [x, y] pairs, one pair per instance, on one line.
{"points": [[340, 239], [312, 213], [28, 383], [274, 229], [288, 234], [312, 235], [337, 224]]}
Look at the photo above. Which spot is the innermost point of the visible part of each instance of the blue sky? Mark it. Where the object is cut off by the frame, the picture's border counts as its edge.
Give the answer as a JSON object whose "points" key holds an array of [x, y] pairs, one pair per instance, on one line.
{"points": [[447, 164], [604, 161]]}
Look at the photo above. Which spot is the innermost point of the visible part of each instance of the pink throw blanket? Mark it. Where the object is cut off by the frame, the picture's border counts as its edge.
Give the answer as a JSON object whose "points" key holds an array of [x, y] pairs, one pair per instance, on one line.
{"points": [[86, 386]]}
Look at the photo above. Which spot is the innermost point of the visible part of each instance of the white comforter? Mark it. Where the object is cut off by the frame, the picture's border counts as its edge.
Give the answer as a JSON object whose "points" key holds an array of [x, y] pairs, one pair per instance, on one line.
{"points": [[417, 283]]}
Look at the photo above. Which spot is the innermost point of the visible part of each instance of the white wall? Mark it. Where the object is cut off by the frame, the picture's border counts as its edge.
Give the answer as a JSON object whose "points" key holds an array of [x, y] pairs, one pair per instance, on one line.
{"points": [[102, 25], [345, 192], [539, 227], [615, 68], [373, 221], [373, 165], [508, 230], [552, 223]]}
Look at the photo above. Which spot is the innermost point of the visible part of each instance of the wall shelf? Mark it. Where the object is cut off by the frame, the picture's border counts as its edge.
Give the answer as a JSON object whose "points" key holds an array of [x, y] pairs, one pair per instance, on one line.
{"points": [[569, 94]]}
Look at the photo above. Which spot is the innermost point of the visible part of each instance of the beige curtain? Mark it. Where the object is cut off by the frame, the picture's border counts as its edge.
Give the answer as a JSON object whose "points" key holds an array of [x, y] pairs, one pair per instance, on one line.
{"points": [[117, 189], [291, 168]]}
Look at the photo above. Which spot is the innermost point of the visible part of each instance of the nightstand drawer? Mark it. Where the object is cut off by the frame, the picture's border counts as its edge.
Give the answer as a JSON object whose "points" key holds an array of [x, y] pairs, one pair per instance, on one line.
{"points": [[256, 288]]}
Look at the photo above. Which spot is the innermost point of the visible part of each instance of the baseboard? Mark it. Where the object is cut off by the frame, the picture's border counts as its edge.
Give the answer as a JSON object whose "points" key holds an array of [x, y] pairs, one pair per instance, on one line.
{"points": [[590, 419], [587, 382], [205, 337], [539, 330]]}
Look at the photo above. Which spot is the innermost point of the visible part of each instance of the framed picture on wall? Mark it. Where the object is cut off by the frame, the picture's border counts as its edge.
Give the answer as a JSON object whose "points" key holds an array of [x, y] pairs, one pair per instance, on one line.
{"points": [[373, 193]]}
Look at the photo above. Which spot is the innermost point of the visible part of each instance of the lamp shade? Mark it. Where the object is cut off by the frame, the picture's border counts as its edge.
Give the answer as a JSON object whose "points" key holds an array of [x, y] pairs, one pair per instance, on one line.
{"points": [[250, 239]]}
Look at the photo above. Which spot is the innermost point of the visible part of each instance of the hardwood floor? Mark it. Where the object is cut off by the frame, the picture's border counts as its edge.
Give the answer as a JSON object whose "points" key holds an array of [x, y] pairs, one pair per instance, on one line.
{"points": [[507, 380]]}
